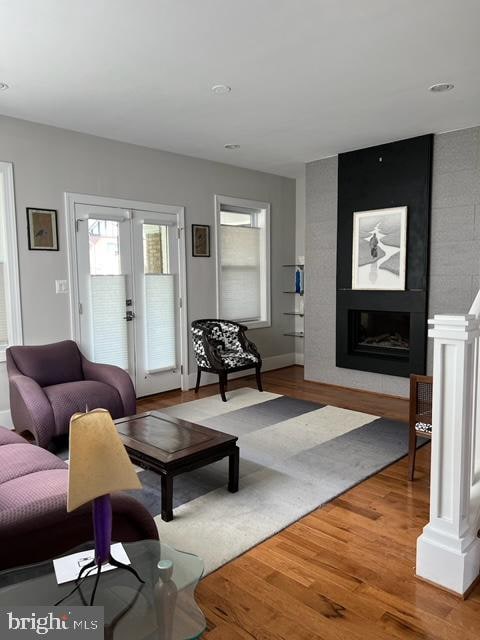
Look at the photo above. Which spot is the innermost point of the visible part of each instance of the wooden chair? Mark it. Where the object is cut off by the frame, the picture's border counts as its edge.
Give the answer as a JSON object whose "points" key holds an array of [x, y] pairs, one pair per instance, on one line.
{"points": [[420, 415]]}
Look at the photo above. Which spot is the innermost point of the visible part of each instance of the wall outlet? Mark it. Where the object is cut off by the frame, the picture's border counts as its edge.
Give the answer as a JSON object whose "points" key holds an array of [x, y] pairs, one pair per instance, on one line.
{"points": [[61, 286]]}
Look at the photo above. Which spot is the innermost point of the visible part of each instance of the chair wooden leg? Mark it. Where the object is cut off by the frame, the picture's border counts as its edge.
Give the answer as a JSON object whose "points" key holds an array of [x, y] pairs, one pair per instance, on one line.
{"points": [[226, 381], [259, 378], [221, 382], [199, 375], [412, 452]]}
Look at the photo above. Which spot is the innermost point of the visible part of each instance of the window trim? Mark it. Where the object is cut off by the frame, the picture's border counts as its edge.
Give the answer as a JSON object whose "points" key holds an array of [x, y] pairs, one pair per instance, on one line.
{"points": [[266, 280], [12, 288]]}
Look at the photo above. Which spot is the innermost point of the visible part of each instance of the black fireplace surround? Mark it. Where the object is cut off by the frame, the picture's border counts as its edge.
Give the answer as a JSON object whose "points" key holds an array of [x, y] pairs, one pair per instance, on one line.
{"points": [[385, 331]]}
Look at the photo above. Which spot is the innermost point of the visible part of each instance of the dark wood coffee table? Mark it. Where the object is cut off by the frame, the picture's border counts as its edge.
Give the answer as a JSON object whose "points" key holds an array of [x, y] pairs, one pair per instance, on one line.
{"points": [[171, 446]]}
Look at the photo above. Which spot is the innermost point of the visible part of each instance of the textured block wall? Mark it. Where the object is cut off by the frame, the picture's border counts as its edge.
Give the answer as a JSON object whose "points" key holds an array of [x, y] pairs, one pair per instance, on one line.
{"points": [[455, 224], [454, 254]]}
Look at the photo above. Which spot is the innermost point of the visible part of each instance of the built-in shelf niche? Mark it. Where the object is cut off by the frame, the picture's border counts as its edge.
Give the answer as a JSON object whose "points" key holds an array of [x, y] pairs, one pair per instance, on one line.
{"points": [[296, 313]]}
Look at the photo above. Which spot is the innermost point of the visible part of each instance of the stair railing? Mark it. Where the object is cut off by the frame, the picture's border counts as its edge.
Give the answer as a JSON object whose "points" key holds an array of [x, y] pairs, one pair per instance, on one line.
{"points": [[448, 551]]}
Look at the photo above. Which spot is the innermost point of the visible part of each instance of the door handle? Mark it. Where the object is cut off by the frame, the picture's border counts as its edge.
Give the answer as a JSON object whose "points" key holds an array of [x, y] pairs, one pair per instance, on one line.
{"points": [[129, 317]]}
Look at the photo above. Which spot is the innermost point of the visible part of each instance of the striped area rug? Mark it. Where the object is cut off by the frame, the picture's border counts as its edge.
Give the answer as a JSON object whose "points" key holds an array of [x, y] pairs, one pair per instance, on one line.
{"points": [[295, 456]]}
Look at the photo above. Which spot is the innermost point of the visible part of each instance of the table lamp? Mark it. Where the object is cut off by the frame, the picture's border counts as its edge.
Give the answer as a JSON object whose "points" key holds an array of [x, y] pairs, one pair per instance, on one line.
{"points": [[99, 465]]}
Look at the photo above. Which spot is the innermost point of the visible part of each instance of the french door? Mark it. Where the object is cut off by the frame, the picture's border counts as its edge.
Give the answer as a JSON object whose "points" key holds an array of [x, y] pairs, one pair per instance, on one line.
{"points": [[128, 269]]}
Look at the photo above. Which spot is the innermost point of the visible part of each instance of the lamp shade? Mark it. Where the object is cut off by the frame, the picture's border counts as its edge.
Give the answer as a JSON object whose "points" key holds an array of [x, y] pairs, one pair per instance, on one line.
{"points": [[99, 463]]}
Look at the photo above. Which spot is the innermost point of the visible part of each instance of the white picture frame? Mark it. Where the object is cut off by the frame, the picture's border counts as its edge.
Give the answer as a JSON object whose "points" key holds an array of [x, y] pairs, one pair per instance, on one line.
{"points": [[379, 252]]}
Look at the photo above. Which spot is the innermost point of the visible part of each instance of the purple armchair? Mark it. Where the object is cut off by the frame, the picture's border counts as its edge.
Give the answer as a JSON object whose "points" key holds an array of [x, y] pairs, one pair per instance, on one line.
{"points": [[49, 383]]}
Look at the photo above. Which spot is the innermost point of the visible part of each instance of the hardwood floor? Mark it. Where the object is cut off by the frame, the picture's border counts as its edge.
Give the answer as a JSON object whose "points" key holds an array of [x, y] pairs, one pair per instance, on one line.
{"points": [[346, 571]]}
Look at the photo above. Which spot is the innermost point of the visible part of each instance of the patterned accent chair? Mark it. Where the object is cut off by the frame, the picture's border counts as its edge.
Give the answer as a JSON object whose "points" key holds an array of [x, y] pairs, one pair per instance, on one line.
{"points": [[51, 382], [420, 423], [221, 347]]}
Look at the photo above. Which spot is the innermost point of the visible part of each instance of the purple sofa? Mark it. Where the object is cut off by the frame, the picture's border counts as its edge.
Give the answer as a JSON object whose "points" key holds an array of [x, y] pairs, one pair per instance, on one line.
{"points": [[34, 523], [49, 383]]}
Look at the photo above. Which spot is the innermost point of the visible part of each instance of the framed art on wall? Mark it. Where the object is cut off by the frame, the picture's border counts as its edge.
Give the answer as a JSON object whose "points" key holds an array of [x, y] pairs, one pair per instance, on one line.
{"points": [[42, 229], [379, 249], [200, 240]]}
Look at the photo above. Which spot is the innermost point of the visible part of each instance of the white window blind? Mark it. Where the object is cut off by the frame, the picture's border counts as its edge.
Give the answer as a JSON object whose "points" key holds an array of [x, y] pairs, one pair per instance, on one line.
{"points": [[161, 352], [109, 330], [240, 273]]}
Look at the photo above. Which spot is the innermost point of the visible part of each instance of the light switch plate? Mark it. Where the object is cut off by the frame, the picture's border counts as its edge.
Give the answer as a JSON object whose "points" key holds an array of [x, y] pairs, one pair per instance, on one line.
{"points": [[61, 286]]}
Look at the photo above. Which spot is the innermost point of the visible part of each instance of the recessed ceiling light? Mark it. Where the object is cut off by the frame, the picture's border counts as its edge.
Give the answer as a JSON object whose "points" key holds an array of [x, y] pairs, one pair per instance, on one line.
{"points": [[221, 89], [232, 147], [3, 86], [440, 87]]}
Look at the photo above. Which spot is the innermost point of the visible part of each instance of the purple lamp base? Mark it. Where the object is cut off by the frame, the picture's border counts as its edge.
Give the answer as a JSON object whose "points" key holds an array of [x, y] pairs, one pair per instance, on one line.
{"points": [[102, 529]]}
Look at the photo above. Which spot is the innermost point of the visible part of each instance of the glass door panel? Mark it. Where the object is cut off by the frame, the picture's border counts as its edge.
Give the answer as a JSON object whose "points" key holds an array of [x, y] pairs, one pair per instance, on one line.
{"points": [[160, 300], [108, 293], [105, 284], [157, 303], [127, 264], [104, 247]]}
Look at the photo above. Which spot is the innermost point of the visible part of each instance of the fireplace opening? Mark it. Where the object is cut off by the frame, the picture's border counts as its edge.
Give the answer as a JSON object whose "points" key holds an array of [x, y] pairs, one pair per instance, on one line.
{"points": [[385, 333]]}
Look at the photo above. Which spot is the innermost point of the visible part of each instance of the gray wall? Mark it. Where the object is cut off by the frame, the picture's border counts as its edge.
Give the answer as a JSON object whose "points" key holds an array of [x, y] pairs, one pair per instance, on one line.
{"points": [[49, 161], [454, 254]]}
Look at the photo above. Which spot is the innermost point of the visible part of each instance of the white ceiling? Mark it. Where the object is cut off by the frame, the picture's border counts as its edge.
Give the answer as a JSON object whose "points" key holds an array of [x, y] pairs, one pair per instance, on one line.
{"points": [[310, 78]]}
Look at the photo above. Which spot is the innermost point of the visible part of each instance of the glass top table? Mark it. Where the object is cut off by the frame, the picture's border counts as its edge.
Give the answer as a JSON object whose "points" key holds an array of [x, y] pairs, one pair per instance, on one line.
{"points": [[163, 608]]}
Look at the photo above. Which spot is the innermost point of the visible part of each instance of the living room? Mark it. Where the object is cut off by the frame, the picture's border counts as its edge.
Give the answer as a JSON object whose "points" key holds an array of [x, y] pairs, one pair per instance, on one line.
{"points": [[253, 265]]}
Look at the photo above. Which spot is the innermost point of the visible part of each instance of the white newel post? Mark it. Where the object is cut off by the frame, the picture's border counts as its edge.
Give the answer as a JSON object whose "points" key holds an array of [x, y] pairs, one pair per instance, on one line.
{"points": [[448, 551]]}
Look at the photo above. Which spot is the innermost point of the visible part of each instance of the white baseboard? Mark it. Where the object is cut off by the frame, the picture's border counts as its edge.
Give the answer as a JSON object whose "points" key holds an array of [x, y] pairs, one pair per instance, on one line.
{"points": [[6, 419], [300, 359], [272, 362]]}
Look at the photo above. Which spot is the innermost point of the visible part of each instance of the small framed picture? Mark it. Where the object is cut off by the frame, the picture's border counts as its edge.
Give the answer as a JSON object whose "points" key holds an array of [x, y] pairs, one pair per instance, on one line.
{"points": [[200, 240], [42, 229]]}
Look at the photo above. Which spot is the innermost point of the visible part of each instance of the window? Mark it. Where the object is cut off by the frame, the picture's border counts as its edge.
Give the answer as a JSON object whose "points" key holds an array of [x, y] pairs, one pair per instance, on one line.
{"points": [[243, 261], [10, 319]]}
